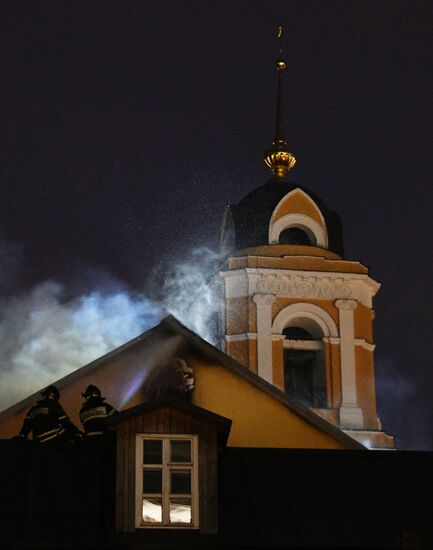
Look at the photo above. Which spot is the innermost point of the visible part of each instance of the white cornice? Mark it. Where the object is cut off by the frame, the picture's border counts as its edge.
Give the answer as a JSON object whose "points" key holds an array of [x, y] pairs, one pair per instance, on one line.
{"points": [[331, 340], [242, 336], [303, 344], [300, 284], [299, 344], [364, 344]]}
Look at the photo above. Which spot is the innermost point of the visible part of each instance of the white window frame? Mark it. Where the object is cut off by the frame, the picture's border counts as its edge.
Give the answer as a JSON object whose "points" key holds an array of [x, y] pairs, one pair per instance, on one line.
{"points": [[167, 467]]}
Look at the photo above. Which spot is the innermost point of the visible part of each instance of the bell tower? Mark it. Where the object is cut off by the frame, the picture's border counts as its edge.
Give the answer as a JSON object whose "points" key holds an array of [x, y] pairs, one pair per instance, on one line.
{"points": [[296, 311]]}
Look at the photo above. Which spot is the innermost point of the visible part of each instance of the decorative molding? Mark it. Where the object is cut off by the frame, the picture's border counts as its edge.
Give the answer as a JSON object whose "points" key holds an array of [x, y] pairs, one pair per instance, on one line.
{"points": [[242, 336], [364, 344], [303, 287], [264, 299], [358, 342], [300, 284], [332, 340], [236, 284], [285, 199], [346, 305], [313, 316], [310, 226]]}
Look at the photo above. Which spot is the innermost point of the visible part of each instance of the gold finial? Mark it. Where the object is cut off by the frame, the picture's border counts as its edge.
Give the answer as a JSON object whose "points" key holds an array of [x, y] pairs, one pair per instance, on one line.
{"points": [[278, 159], [280, 162]]}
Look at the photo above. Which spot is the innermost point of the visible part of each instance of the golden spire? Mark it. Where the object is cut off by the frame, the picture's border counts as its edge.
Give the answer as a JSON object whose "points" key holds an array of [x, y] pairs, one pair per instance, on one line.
{"points": [[278, 158]]}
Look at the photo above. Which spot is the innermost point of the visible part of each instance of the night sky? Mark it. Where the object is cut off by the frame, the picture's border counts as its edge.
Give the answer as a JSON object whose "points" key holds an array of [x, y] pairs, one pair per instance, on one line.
{"points": [[127, 126]]}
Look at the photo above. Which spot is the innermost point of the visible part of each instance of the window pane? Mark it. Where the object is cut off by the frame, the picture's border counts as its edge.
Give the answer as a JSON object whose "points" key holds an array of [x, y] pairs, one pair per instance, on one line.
{"points": [[152, 510], [180, 510], [152, 451], [180, 450], [180, 482], [152, 480]]}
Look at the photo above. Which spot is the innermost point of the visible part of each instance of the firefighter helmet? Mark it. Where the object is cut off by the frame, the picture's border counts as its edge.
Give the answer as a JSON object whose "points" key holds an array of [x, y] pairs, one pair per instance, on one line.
{"points": [[51, 392], [91, 391]]}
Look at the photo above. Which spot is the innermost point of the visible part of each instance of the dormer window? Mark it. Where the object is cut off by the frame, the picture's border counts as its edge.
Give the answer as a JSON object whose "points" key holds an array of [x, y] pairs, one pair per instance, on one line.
{"points": [[166, 481], [167, 465], [297, 220]]}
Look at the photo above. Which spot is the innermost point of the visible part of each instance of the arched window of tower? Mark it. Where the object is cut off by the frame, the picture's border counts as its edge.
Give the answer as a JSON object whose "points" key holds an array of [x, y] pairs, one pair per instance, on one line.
{"points": [[297, 219], [314, 231], [304, 363], [308, 316], [304, 326], [297, 235]]}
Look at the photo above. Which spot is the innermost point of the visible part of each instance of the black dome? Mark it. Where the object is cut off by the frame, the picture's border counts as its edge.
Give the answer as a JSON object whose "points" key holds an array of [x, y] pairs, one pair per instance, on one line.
{"points": [[251, 216]]}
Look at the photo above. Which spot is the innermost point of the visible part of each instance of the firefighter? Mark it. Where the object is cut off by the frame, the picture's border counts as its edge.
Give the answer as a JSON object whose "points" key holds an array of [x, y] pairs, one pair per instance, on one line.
{"points": [[94, 411], [48, 421]]}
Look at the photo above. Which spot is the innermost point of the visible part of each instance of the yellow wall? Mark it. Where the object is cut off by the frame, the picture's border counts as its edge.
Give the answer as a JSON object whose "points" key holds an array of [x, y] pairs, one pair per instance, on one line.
{"points": [[364, 322], [278, 364], [365, 386], [258, 420], [334, 351]]}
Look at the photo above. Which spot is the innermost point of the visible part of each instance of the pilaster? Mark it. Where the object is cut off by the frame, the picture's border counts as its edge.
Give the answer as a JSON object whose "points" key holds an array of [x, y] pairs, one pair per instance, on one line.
{"points": [[350, 412], [264, 335]]}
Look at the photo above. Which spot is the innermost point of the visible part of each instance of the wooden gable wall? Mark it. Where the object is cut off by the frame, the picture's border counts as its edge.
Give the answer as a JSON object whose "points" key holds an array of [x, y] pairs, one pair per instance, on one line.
{"points": [[166, 420]]}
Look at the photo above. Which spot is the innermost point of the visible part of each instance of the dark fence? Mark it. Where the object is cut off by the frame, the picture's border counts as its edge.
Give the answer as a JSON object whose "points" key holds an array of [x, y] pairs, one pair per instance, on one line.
{"points": [[63, 497]]}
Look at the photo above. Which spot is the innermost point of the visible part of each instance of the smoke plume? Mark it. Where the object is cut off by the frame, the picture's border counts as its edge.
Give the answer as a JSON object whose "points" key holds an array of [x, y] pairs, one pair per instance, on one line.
{"points": [[43, 339], [45, 334], [192, 294]]}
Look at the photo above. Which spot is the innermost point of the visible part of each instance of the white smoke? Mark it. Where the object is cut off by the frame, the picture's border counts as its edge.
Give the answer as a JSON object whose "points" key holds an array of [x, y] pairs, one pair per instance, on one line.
{"points": [[192, 294], [45, 336]]}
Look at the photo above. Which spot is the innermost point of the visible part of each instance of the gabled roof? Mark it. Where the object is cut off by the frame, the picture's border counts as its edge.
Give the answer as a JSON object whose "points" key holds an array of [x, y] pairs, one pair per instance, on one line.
{"points": [[186, 339]]}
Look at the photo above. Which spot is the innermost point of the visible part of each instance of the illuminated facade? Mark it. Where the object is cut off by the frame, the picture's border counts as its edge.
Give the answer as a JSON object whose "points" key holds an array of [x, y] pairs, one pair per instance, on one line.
{"points": [[296, 312]]}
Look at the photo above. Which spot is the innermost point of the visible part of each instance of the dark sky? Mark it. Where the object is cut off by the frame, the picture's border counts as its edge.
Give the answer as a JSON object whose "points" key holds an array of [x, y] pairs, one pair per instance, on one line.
{"points": [[127, 126]]}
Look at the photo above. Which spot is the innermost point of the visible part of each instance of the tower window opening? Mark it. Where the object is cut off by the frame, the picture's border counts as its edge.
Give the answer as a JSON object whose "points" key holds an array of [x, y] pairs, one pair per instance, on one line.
{"points": [[304, 367], [296, 235]]}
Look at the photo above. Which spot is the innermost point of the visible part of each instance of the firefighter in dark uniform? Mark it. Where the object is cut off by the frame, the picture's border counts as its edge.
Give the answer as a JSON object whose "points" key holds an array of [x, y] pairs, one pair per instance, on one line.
{"points": [[47, 420], [94, 412]]}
